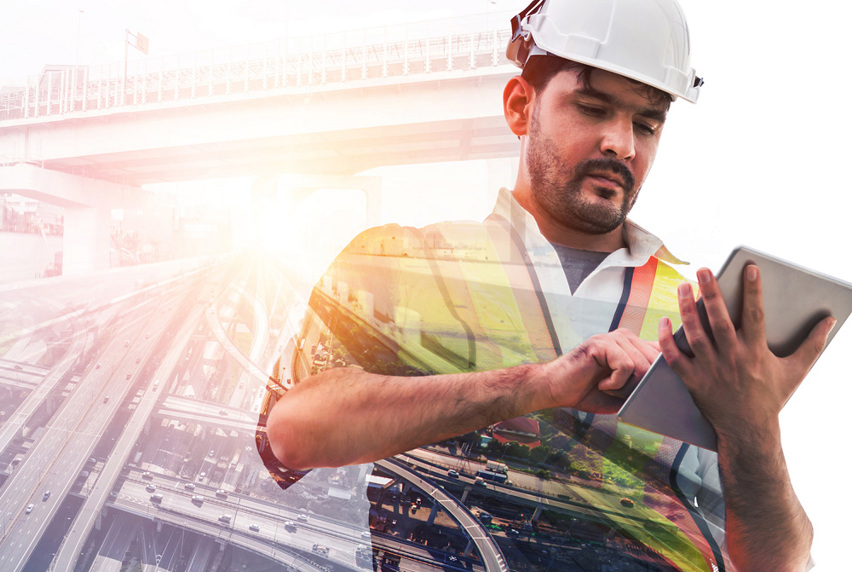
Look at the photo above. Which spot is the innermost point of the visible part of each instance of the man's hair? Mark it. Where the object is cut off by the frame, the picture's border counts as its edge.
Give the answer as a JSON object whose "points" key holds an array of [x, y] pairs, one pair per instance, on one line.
{"points": [[539, 70]]}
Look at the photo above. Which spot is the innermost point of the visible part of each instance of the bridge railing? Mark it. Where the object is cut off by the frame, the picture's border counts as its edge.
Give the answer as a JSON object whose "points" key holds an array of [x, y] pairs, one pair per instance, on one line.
{"points": [[304, 63]]}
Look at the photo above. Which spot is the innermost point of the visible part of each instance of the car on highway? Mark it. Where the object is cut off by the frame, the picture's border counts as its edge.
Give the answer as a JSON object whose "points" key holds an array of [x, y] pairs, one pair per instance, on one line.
{"points": [[197, 499], [157, 497], [106, 399], [366, 534], [138, 360], [221, 494], [189, 486], [128, 376], [45, 496], [150, 488], [30, 508], [303, 517], [254, 528], [320, 549], [223, 413], [290, 526], [147, 475], [453, 474], [225, 519]]}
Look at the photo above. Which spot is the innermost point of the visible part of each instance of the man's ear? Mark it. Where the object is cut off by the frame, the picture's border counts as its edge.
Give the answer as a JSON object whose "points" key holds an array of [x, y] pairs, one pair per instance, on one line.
{"points": [[518, 98]]}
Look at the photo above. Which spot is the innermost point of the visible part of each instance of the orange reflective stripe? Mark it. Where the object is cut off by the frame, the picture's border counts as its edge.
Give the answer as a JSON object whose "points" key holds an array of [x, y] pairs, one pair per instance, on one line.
{"points": [[640, 293], [653, 294]]}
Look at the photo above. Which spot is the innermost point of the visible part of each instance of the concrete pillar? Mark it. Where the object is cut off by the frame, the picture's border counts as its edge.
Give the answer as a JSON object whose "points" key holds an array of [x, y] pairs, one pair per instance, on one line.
{"points": [[302, 186], [87, 203], [536, 514], [435, 509], [372, 188], [86, 240], [469, 548], [465, 493]]}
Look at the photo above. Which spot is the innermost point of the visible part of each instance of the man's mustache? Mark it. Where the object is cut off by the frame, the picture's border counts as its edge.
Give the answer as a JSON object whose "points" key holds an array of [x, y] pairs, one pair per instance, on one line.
{"points": [[590, 166]]}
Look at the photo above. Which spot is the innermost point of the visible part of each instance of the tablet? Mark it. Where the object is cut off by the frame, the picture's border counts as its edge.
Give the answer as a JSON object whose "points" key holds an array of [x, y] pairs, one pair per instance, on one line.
{"points": [[795, 300]]}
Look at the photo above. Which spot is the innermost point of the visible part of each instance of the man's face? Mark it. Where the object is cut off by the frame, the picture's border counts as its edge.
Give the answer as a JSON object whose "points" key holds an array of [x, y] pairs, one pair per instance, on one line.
{"points": [[590, 148]]}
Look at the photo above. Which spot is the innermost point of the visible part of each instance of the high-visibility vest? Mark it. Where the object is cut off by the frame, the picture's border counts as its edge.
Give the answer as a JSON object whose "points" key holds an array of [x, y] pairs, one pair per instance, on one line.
{"points": [[459, 297]]}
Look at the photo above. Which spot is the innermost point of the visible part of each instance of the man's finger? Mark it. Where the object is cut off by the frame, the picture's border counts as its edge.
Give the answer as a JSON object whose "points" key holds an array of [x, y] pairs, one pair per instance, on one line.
{"points": [[625, 390], [698, 339], [724, 333], [642, 353], [672, 354], [807, 353], [753, 321], [619, 362]]}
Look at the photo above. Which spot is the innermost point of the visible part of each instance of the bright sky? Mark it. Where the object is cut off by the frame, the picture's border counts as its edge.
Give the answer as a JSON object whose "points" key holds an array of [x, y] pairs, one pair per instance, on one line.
{"points": [[758, 161]]}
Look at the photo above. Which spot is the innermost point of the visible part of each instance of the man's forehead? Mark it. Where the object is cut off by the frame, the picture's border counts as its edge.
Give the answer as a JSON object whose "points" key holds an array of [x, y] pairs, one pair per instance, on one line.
{"points": [[617, 90]]}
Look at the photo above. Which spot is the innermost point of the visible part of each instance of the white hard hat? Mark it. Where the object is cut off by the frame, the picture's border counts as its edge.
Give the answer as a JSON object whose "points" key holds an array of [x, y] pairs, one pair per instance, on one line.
{"points": [[645, 40]]}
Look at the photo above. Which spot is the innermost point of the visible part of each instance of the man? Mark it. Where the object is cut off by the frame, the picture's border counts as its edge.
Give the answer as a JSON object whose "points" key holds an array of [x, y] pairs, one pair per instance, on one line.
{"points": [[543, 311]]}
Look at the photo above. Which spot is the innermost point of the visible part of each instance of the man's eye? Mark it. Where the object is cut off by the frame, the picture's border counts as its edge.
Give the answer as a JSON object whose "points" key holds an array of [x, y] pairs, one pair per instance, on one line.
{"points": [[591, 110], [645, 128]]}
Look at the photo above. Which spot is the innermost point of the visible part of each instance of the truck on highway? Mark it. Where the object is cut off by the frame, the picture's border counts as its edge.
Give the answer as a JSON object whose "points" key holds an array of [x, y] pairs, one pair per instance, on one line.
{"points": [[492, 476], [496, 467], [320, 549]]}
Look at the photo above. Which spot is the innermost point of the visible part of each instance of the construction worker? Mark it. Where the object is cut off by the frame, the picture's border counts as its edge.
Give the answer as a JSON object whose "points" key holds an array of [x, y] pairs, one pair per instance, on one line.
{"points": [[548, 310]]}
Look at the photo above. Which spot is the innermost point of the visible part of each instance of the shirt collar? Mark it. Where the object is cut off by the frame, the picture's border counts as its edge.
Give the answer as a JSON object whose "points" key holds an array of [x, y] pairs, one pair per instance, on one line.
{"points": [[641, 244]]}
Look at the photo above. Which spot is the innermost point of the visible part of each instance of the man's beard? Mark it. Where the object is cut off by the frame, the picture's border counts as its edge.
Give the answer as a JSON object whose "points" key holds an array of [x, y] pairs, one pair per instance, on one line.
{"points": [[558, 189]]}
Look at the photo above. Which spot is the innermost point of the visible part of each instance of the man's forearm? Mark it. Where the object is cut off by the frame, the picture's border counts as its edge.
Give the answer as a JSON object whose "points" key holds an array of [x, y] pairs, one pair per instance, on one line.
{"points": [[766, 526], [346, 416]]}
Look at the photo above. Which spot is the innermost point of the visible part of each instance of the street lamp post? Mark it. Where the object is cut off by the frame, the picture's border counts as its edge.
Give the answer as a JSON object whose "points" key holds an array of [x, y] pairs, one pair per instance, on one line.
{"points": [[80, 12], [140, 42]]}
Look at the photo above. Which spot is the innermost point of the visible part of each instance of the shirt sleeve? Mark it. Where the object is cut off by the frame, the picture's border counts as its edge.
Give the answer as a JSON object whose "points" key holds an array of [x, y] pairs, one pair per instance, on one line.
{"points": [[350, 321]]}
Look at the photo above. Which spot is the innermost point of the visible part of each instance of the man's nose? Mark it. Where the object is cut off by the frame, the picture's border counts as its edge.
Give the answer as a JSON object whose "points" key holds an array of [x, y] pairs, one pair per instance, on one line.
{"points": [[618, 140]]}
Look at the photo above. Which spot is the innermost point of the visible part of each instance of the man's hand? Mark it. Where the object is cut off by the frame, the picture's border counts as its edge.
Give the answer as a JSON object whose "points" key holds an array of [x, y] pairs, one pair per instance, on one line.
{"points": [[736, 381], [598, 374], [740, 386]]}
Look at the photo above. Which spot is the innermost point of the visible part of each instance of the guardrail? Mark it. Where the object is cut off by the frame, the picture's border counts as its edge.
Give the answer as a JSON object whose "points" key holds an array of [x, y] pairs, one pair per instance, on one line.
{"points": [[299, 63]]}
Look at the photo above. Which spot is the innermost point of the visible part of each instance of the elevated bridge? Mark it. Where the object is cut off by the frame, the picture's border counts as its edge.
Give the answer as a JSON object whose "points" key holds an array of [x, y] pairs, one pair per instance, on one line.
{"points": [[88, 138], [331, 105]]}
